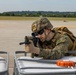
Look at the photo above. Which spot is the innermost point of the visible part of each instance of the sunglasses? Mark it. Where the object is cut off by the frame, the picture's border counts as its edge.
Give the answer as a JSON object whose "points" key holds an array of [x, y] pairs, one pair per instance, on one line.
{"points": [[39, 32]]}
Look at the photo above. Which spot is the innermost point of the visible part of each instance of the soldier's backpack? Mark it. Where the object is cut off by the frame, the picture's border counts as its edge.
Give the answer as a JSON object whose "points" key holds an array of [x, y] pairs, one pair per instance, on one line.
{"points": [[69, 33]]}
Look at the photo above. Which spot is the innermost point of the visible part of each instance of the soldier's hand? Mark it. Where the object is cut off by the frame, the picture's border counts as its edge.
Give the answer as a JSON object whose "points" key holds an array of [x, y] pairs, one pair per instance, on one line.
{"points": [[31, 48]]}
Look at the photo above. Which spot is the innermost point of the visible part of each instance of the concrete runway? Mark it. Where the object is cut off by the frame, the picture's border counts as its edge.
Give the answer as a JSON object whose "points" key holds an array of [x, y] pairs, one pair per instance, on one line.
{"points": [[13, 32]]}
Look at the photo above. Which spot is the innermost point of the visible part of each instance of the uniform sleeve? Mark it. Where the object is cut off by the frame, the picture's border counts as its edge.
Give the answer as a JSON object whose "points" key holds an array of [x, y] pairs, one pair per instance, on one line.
{"points": [[58, 51]]}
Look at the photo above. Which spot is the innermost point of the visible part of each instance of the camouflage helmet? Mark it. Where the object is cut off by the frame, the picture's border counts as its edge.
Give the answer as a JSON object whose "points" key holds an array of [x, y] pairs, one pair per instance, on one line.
{"points": [[40, 24]]}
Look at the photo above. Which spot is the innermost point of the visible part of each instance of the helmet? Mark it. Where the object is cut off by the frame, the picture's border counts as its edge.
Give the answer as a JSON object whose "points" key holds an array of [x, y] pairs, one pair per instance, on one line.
{"points": [[40, 24]]}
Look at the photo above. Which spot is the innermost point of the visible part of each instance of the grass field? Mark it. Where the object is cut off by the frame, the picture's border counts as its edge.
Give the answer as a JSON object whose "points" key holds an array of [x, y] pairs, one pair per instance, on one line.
{"points": [[35, 18]]}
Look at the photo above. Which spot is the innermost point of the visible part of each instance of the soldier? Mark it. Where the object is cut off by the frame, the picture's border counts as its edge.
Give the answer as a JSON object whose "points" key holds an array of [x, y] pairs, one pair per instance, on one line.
{"points": [[52, 45]]}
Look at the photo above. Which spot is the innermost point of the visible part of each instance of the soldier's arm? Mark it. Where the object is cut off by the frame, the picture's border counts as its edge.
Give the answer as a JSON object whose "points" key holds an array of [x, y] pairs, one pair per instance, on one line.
{"points": [[58, 51]]}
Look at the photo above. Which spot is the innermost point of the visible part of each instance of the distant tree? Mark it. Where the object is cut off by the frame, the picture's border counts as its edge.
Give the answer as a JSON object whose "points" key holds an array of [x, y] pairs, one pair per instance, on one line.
{"points": [[39, 13]]}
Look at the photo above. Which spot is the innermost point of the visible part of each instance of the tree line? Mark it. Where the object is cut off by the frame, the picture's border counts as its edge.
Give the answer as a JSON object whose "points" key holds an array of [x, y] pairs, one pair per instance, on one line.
{"points": [[39, 13]]}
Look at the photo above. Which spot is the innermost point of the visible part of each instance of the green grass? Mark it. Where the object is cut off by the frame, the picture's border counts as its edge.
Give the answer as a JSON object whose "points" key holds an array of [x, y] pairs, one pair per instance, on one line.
{"points": [[62, 19], [35, 18], [17, 18]]}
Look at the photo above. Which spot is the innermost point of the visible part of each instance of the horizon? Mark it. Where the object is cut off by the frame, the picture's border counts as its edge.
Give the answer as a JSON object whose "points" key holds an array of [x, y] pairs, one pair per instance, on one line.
{"points": [[38, 5], [38, 11]]}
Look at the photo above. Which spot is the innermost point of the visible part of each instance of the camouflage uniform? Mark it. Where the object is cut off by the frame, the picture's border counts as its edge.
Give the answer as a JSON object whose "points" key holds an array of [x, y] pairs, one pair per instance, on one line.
{"points": [[57, 46], [60, 44]]}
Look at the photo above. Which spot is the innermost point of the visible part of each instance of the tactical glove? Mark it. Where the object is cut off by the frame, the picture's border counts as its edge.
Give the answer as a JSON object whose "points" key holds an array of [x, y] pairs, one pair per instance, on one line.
{"points": [[31, 48]]}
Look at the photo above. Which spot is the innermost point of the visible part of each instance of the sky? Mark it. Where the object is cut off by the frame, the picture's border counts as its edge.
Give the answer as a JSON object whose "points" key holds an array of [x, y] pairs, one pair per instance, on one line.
{"points": [[37, 5]]}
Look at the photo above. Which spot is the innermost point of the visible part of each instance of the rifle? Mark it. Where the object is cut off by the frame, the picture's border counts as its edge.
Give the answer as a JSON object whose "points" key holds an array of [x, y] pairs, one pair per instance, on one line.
{"points": [[35, 41], [33, 38], [25, 42]]}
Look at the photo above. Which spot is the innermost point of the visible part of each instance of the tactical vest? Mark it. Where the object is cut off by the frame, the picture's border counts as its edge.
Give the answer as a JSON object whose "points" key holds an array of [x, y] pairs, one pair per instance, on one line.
{"points": [[69, 33]]}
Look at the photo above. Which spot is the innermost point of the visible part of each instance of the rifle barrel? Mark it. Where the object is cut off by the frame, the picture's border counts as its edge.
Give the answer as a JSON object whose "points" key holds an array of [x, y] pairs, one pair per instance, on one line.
{"points": [[21, 43]]}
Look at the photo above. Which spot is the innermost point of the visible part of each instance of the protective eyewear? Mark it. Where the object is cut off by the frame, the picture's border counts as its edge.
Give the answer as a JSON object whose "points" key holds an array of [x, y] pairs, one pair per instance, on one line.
{"points": [[36, 33]]}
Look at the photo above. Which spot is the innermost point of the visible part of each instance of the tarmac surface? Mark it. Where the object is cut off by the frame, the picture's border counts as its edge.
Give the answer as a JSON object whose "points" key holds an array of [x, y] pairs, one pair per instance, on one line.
{"points": [[13, 32]]}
